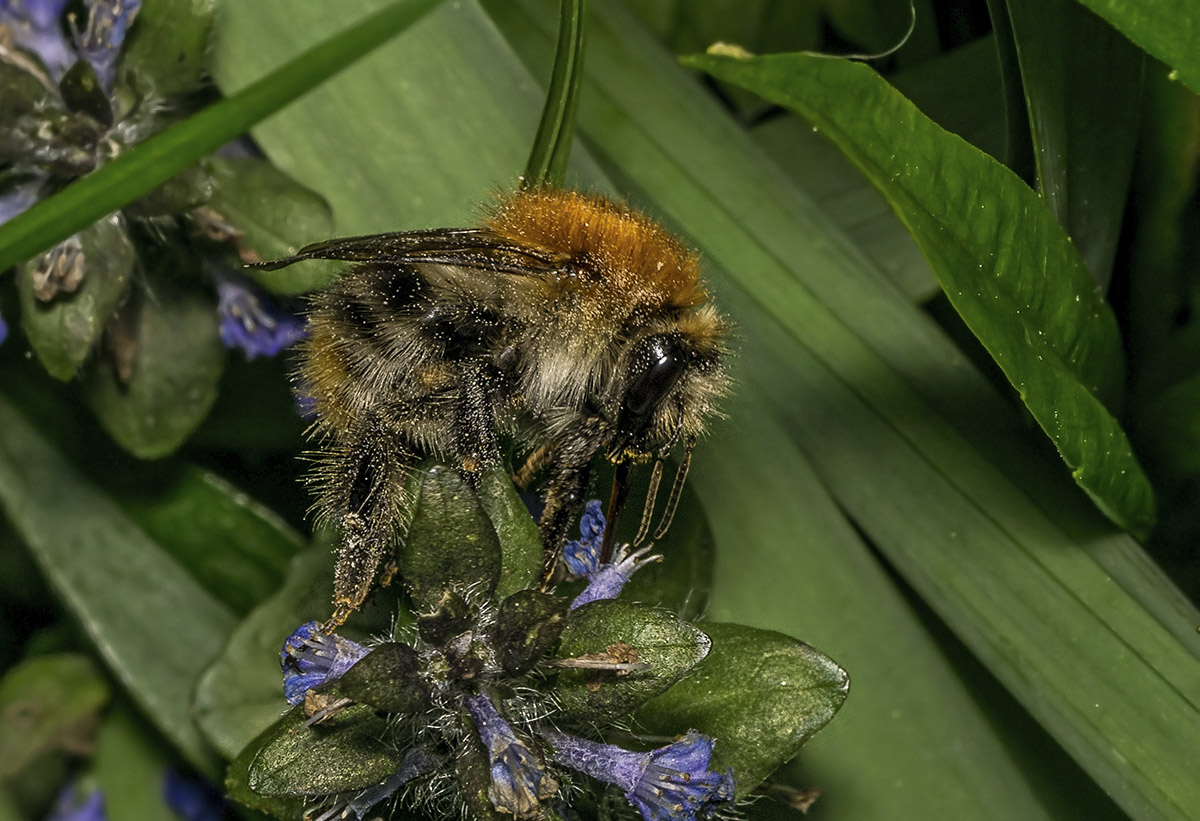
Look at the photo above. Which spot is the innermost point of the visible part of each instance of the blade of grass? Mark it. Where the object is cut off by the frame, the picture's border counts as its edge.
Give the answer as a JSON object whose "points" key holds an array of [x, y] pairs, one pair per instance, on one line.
{"points": [[551, 152], [162, 156]]}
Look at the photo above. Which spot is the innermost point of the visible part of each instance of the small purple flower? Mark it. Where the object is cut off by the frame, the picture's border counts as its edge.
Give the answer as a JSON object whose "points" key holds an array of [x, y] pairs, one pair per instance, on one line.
{"points": [[192, 799], [36, 27], [605, 581], [69, 807], [311, 657], [100, 43], [254, 324], [672, 783], [519, 781], [3, 330]]}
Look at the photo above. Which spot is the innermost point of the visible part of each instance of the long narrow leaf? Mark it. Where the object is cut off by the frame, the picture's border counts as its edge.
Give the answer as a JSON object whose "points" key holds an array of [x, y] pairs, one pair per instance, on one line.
{"points": [[161, 157], [155, 626]]}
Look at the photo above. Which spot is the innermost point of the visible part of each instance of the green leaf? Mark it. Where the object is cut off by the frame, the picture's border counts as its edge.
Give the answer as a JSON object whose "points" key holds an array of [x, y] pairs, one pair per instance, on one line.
{"points": [[276, 215], [1073, 65], [177, 359], [129, 766], [48, 703], [237, 778], [450, 544], [387, 678], [154, 625], [234, 546], [159, 158], [520, 540], [167, 46], [64, 331], [667, 647], [1009, 270], [1167, 29], [344, 752], [762, 695]]}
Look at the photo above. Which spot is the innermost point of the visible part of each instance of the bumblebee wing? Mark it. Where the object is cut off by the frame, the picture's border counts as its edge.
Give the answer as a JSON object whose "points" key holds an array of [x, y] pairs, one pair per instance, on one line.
{"points": [[464, 247]]}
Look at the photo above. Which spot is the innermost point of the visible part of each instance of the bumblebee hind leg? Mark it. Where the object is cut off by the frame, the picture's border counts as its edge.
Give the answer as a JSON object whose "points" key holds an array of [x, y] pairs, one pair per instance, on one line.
{"points": [[361, 485]]}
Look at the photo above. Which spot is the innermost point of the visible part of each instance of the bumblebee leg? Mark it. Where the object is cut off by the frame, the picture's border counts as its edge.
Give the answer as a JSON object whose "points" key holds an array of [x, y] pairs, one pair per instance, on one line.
{"points": [[565, 492], [534, 464], [363, 480], [475, 438]]}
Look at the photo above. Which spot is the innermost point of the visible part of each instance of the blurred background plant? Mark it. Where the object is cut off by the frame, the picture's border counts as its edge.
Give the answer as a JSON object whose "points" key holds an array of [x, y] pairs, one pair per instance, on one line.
{"points": [[879, 488]]}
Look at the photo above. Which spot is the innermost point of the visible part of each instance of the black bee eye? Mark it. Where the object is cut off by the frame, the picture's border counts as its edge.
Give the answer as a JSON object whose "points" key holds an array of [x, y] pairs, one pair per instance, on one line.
{"points": [[656, 367]]}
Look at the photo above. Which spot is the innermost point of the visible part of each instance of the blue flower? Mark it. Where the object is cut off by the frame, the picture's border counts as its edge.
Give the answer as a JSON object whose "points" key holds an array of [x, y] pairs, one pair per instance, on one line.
{"points": [[3, 330], [36, 27], [311, 657], [253, 324], [519, 781], [68, 807], [192, 799], [605, 581], [672, 783], [100, 43]]}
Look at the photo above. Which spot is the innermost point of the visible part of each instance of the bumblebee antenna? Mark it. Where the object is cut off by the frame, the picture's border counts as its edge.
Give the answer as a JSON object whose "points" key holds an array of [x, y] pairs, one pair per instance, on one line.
{"points": [[651, 498], [616, 503], [676, 489]]}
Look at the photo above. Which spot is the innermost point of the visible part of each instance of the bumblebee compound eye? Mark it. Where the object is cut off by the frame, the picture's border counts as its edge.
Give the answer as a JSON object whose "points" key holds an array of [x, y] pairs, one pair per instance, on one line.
{"points": [[655, 367]]}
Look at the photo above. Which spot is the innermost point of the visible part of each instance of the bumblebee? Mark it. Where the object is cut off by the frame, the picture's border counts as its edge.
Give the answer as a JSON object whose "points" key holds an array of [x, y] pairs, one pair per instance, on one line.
{"points": [[571, 323]]}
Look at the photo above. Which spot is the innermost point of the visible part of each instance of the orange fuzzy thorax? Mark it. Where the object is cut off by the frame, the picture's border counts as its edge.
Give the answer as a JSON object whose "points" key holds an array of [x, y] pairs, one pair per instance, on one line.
{"points": [[633, 255]]}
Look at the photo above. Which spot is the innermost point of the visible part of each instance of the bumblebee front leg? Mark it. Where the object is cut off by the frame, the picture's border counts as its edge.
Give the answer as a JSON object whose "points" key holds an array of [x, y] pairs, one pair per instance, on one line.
{"points": [[570, 472], [362, 484]]}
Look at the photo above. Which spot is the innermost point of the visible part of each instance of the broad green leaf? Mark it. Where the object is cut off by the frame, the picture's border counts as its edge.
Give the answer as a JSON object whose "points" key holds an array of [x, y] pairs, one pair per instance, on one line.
{"points": [[64, 331], [167, 46], [1009, 270], [48, 703], [668, 648], [1073, 67], [760, 694], [520, 540], [176, 365], [450, 543], [528, 626], [276, 215], [155, 626], [162, 156], [1167, 29], [234, 546]]}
